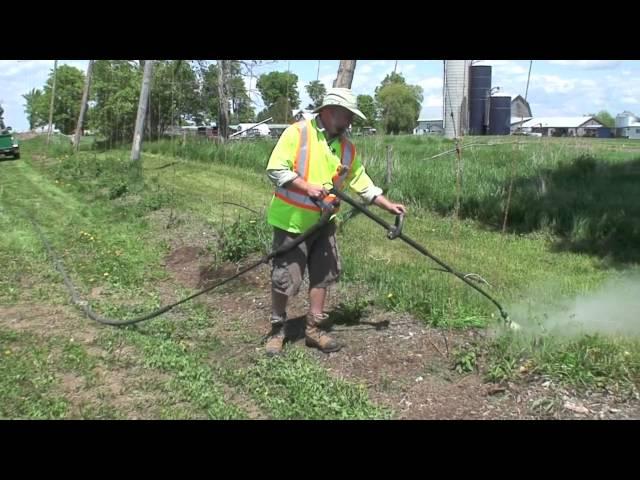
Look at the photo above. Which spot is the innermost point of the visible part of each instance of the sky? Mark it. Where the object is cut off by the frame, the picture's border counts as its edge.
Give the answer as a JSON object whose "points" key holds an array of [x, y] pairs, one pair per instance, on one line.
{"points": [[556, 88]]}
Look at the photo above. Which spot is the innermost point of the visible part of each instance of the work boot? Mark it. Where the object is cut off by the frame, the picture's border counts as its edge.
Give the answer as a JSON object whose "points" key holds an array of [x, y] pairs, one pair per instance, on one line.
{"points": [[275, 341], [316, 337]]}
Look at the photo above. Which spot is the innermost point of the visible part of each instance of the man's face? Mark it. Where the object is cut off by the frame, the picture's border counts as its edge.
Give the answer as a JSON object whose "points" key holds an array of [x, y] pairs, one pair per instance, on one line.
{"points": [[336, 119]]}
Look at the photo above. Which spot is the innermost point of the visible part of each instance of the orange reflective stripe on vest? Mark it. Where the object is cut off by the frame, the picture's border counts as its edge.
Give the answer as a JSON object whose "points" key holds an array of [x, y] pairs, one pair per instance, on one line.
{"points": [[301, 167]]}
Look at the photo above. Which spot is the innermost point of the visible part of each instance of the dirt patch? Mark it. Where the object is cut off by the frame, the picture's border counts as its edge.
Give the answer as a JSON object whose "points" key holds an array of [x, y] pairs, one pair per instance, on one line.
{"points": [[26, 135], [186, 264], [112, 390], [106, 388], [181, 229], [48, 321], [405, 365]]}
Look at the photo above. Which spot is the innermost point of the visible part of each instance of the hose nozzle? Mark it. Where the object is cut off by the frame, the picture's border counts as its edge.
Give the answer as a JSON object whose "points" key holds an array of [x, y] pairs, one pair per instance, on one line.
{"points": [[510, 323]]}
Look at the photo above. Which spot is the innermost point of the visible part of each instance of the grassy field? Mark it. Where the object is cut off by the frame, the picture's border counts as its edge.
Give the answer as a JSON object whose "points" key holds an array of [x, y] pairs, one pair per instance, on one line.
{"points": [[573, 225]]}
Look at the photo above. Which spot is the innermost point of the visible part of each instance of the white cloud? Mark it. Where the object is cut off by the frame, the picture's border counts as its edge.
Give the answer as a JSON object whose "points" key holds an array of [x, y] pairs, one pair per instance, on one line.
{"points": [[366, 68], [504, 67], [432, 101], [305, 99], [587, 64], [552, 83], [328, 79], [404, 69], [381, 63], [588, 83], [431, 83], [361, 81], [631, 100]]}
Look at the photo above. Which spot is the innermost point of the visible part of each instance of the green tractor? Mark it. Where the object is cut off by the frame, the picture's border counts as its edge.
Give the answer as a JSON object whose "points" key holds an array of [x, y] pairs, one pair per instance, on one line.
{"points": [[8, 144]]}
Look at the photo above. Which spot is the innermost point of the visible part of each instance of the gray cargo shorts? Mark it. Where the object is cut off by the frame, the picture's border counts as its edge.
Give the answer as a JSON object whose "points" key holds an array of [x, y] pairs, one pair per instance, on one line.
{"points": [[319, 253]]}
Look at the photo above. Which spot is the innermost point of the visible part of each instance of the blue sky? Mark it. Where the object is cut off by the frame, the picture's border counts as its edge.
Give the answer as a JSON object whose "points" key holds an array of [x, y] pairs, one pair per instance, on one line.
{"points": [[557, 87]]}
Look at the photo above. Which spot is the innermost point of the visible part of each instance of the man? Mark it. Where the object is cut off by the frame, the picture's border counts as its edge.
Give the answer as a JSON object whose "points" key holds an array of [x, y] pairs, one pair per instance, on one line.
{"points": [[310, 157]]}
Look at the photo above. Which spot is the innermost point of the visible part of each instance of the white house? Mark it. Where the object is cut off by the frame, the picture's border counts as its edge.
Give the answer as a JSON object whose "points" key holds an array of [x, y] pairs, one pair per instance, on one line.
{"points": [[45, 129]]}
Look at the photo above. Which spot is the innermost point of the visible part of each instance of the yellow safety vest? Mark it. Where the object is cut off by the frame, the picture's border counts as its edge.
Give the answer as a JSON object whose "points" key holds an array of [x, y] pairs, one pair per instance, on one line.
{"points": [[293, 210]]}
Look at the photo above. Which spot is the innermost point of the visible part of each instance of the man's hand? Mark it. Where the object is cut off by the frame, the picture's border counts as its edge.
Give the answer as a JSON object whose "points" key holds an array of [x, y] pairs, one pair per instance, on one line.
{"points": [[316, 192], [395, 208]]}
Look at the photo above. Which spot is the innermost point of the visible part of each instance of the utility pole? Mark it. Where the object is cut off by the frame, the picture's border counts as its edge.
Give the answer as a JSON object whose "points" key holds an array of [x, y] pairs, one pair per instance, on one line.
{"points": [[53, 95], [83, 106], [318, 74], [396, 67], [143, 104], [345, 74]]}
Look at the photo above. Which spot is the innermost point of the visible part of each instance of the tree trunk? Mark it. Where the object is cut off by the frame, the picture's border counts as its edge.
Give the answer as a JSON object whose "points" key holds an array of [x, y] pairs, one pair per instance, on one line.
{"points": [[345, 74], [83, 106], [223, 111], [143, 104], [53, 95]]}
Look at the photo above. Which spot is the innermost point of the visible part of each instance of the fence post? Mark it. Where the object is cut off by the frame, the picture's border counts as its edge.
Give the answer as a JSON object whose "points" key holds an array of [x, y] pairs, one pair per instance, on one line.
{"points": [[389, 164]]}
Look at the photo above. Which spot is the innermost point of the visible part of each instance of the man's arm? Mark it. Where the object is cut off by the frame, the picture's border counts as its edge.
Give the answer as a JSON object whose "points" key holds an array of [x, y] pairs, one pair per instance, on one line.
{"points": [[362, 184], [280, 166]]}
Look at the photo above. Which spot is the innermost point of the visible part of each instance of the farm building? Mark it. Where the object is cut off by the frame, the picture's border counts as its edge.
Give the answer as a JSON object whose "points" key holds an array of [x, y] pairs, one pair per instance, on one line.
{"points": [[262, 130], [277, 129], [628, 126], [520, 107], [428, 126], [559, 126], [209, 131]]}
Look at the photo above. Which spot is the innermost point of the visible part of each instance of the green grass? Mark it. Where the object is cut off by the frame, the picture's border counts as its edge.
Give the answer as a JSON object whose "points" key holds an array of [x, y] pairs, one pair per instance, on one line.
{"points": [[191, 381], [27, 380], [564, 241], [294, 386], [585, 362]]}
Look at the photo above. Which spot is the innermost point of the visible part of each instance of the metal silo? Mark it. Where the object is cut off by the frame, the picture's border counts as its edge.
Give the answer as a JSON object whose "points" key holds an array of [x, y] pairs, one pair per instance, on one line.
{"points": [[624, 119], [500, 115], [480, 86], [456, 91]]}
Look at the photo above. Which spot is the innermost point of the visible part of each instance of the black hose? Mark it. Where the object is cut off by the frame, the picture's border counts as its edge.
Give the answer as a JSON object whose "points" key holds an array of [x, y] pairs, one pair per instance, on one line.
{"points": [[397, 233], [75, 297]]}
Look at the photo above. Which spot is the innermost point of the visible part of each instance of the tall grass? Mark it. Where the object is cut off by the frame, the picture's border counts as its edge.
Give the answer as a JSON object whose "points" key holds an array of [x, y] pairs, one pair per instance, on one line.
{"points": [[582, 191]]}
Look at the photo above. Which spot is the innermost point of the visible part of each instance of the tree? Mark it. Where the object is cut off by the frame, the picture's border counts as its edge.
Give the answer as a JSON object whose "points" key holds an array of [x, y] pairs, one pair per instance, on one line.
{"points": [[240, 104], [367, 106], [241, 109], [605, 118], [279, 85], [35, 108], [316, 91], [66, 106], [391, 78], [83, 106], [174, 94], [143, 103], [116, 93], [279, 111], [223, 100], [400, 106]]}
